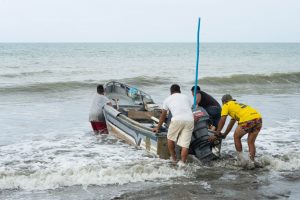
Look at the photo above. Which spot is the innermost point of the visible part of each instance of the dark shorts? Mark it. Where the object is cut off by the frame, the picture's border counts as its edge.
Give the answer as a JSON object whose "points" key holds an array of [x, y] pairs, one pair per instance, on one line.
{"points": [[252, 125], [99, 127]]}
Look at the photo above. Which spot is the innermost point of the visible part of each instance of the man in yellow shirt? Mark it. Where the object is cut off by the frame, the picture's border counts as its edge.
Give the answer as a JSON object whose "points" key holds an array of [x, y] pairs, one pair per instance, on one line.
{"points": [[249, 121]]}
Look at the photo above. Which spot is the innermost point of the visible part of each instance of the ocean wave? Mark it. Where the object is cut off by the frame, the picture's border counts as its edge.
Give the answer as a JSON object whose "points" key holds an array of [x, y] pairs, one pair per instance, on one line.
{"points": [[146, 81], [72, 85], [254, 79], [48, 87], [237, 79], [268, 83], [26, 74], [84, 161], [86, 175], [287, 162], [50, 164]]}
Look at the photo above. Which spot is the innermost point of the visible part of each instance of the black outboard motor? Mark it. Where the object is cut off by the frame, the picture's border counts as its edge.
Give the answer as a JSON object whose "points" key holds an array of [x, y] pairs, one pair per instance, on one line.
{"points": [[200, 146]]}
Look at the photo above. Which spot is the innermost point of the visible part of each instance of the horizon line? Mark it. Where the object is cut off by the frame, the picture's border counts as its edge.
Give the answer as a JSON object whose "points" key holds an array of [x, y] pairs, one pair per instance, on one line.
{"points": [[82, 42]]}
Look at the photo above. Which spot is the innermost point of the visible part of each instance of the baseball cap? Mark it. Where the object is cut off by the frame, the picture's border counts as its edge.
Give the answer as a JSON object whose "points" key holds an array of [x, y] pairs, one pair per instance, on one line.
{"points": [[226, 98]]}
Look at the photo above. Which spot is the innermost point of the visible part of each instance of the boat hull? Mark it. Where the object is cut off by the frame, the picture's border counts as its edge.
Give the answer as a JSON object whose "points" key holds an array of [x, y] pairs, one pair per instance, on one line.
{"points": [[131, 119], [124, 129]]}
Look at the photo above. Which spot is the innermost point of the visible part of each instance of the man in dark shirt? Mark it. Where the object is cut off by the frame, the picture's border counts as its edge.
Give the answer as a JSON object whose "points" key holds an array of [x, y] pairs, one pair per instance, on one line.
{"points": [[210, 104]]}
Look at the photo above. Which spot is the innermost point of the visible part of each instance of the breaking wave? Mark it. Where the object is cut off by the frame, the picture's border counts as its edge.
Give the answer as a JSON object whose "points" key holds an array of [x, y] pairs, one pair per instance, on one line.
{"points": [[86, 175], [84, 161], [146, 81], [256, 79], [42, 165], [73, 85], [48, 87], [26, 74], [266, 83]]}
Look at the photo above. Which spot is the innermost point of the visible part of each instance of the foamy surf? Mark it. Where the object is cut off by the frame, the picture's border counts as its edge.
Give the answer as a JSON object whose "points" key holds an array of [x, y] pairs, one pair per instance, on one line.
{"points": [[87, 175], [277, 148], [45, 165], [104, 160]]}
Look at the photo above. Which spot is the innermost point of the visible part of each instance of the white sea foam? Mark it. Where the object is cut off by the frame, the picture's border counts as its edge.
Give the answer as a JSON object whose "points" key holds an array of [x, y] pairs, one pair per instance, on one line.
{"points": [[44, 165], [205, 185], [84, 160], [286, 162], [86, 175], [277, 146]]}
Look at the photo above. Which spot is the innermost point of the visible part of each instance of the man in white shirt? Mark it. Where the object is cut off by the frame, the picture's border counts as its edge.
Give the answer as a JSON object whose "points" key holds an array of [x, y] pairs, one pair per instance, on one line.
{"points": [[182, 122], [96, 116]]}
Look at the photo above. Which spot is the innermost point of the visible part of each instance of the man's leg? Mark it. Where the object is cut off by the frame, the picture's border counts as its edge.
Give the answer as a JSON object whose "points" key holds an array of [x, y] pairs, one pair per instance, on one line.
{"points": [[238, 134], [251, 143], [171, 147], [184, 154], [184, 139], [173, 131]]}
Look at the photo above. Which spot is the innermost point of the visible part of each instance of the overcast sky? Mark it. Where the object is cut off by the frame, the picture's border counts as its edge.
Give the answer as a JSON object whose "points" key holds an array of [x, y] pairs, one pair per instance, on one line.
{"points": [[149, 20]]}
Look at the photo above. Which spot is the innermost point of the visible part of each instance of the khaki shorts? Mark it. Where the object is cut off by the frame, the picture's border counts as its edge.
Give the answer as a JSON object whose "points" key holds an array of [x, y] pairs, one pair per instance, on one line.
{"points": [[181, 132]]}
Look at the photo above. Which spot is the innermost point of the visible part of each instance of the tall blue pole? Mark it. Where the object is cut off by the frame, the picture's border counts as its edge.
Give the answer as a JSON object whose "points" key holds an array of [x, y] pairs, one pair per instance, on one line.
{"points": [[197, 63]]}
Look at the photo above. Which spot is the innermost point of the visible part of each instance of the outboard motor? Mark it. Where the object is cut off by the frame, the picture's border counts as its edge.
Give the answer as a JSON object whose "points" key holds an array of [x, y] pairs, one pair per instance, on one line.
{"points": [[200, 146], [203, 149]]}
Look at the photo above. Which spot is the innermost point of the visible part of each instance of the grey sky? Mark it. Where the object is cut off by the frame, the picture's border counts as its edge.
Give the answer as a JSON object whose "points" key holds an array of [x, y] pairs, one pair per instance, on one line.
{"points": [[149, 20]]}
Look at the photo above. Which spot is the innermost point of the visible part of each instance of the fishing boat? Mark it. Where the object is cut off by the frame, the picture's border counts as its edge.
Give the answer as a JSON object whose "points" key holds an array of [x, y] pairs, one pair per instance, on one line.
{"points": [[134, 114]]}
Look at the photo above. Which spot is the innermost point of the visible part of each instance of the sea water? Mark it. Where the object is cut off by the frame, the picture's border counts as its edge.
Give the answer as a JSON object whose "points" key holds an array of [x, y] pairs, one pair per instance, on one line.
{"points": [[48, 151]]}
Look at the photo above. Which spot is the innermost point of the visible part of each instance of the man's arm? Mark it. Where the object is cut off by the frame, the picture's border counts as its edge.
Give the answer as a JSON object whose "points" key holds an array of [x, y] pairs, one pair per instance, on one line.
{"points": [[218, 133], [229, 127], [221, 123], [161, 121], [198, 98]]}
